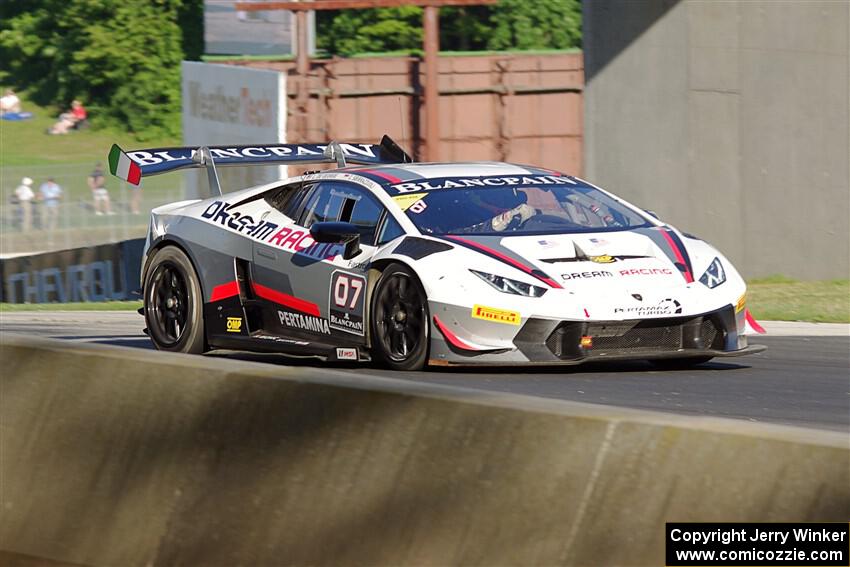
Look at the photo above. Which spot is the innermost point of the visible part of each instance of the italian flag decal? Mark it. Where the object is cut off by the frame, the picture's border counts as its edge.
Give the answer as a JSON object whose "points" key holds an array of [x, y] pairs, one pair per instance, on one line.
{"points": [[121, 166]]}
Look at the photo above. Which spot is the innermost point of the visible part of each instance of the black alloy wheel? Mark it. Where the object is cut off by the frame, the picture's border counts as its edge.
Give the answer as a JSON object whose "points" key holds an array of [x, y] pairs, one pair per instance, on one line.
{"points": [[173, 304], [400, 324]]}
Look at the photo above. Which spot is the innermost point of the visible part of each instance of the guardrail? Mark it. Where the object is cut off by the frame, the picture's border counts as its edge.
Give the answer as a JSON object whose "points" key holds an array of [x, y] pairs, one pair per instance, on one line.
{"points": [[76, 220], [115, 456]]}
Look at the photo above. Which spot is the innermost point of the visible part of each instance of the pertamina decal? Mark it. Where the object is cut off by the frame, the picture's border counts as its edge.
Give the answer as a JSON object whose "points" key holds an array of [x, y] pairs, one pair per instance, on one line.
{"points": [[346, 302], [304, 322], [495, 315]]}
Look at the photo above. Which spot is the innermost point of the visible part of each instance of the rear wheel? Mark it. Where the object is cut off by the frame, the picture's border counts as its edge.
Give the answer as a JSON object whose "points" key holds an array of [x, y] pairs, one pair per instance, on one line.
{"points": [[680, 363], [173, 303], [400, 329]]}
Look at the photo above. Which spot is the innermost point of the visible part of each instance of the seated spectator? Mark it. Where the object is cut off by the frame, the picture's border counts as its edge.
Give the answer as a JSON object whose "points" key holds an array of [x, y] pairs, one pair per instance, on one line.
{"points": [[68, 120], [10, 102], [10, 107]]}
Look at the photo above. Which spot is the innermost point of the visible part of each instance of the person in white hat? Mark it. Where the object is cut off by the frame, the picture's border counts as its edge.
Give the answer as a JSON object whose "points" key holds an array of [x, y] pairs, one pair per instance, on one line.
{"points": [[25, 196]]}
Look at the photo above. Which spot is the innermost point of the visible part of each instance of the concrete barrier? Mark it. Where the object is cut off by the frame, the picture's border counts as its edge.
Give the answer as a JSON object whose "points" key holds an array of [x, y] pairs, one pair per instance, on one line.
{"points": [[114, 456]]}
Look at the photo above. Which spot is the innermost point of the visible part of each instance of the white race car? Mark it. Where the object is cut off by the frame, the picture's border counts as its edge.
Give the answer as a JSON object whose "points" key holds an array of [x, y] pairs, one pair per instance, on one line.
{"points": [[427, 263]]}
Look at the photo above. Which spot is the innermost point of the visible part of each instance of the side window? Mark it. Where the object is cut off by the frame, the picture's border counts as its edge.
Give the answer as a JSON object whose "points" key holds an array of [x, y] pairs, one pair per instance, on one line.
{"points": [[332, 201], [288, 199], [390, 230], [323, 204]]}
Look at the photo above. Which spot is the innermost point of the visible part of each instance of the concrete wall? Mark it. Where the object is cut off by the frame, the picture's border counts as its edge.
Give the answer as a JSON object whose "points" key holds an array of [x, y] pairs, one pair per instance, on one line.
{"points": [[118, 456], [731, 120]]}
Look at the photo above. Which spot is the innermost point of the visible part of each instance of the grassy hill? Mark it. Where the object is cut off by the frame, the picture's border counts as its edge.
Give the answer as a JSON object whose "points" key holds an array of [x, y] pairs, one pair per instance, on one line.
{"points": [[26, 143]]}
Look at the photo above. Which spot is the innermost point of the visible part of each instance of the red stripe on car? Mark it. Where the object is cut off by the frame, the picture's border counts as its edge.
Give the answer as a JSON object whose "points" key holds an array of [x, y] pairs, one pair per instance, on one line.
{"points": [[754, 324], [675, 247], [451, 337], [224, 291], [382, 175], [507, 259], [286, 300]]}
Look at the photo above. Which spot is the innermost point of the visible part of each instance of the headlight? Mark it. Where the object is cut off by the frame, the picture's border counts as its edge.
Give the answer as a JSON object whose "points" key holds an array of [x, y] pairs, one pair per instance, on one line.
{"points": [[506, 285], [714, 275]]}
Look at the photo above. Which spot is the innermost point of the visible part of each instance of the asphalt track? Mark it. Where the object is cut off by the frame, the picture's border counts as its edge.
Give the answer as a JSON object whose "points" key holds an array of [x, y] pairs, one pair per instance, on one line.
{"points": [[803, 378]]}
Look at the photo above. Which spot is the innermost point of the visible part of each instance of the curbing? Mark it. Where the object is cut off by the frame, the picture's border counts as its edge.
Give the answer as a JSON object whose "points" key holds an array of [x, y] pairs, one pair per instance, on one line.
{"points": [[122, 456]]}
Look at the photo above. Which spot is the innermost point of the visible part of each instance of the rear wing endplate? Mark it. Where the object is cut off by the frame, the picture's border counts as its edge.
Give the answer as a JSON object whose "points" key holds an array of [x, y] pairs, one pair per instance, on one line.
{"points": [[134, 165]]}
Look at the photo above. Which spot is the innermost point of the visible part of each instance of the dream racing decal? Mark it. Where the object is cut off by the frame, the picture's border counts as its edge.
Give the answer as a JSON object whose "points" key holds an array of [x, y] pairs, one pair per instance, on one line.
{"points": [[495, 315], [346, 302], [587, 275], [289, 238]]}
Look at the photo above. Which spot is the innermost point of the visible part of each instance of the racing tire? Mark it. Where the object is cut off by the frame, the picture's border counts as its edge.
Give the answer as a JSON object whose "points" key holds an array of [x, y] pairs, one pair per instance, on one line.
{"points": [[400, 324], [173, 303], [680, 363]]}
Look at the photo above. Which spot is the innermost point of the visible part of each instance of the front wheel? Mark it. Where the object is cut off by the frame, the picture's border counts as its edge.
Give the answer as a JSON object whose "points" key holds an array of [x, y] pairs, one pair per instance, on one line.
{"points": [[173, 303], [400, 324]]}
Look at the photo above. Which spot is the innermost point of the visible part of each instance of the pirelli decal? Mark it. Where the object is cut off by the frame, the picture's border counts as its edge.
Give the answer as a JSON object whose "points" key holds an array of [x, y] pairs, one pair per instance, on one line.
{"points": [[496, 315]]}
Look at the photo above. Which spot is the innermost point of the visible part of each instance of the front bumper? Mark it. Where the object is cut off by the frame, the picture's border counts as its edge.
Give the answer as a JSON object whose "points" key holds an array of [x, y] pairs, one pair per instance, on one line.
{"points": [[567, 342]]}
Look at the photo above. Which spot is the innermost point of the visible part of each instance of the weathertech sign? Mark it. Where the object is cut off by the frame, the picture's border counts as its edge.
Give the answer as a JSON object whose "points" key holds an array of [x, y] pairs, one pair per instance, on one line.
{"points": [[495, 315]]}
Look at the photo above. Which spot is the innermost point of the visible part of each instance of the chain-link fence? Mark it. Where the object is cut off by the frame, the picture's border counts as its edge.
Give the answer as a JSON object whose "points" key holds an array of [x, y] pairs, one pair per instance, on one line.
{"points": [[77, 219]]}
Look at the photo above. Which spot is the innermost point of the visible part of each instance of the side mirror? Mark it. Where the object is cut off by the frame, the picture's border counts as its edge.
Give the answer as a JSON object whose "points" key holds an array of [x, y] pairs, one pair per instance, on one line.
{"points": [[338, 233]]}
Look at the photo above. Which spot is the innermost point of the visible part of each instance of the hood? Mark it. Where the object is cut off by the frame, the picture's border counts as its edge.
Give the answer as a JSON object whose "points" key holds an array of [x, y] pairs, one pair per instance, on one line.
{"points": [[648, 258]]}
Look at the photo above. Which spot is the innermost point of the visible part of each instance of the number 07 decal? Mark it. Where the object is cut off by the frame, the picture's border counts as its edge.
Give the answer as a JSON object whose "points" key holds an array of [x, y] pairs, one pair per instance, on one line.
{"points": [[346, 302]]}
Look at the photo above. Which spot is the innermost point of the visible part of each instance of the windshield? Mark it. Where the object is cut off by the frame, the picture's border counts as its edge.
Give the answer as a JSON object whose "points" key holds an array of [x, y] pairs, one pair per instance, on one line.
{"points": [[518, 210]]}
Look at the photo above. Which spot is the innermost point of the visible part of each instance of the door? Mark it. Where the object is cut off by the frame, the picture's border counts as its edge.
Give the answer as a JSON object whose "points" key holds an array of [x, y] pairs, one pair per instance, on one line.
{"points": [[307, 290]]}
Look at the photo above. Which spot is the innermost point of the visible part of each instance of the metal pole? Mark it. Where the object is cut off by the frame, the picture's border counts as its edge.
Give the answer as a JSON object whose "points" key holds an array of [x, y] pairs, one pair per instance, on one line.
{"points": [[302, 66], [432, 93]]}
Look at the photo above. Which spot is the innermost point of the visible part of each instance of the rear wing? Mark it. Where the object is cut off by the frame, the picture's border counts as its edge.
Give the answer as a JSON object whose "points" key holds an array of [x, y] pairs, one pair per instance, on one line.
{"points": [[132, 166]]}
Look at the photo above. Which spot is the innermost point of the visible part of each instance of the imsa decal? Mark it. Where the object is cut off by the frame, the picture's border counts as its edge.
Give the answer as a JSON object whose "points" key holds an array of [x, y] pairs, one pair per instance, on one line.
{"points": [[346, 302]]}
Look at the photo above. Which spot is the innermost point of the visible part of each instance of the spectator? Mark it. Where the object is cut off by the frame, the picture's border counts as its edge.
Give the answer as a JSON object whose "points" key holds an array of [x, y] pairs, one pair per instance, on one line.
{"points": [[76, 116], [51, 194], [25, 196], [10, 102], [97, 184]]}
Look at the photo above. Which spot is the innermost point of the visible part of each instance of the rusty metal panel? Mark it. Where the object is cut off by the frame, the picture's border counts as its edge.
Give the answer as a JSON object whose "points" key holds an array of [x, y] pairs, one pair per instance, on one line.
{"points": [[507, 107]]}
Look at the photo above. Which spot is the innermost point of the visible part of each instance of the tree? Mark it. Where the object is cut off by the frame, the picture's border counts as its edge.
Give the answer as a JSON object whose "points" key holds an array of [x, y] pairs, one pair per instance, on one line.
{"points": [[121, 57], [510, 24], [542, 24], [346, 32]]}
